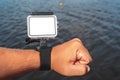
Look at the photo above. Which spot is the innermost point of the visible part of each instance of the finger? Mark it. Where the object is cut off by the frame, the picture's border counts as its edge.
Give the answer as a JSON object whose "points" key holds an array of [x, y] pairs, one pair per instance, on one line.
{"points": [[83, 55], [79, 70], [82, 50], [82, 59]]}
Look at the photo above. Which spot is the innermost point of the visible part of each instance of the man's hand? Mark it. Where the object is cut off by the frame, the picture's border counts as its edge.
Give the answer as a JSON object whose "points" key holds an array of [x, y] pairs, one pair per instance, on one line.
{"points": [[70, 58]]}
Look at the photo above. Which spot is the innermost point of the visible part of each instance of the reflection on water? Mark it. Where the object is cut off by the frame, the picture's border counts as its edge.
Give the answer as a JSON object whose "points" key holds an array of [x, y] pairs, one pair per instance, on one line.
{"points": [[61, 4], [96, 22]]}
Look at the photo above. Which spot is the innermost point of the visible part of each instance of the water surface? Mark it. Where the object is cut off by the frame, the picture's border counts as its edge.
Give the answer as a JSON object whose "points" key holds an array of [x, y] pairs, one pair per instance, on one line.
{"points": [[95, 22]]}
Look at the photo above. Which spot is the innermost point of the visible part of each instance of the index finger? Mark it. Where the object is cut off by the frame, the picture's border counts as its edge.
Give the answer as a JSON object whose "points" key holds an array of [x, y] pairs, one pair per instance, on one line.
{"points": [[83, 55]]}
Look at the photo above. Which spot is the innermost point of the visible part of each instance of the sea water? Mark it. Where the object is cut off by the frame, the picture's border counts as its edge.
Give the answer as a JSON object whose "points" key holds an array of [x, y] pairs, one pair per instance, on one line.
{"points": [[95, 22]]}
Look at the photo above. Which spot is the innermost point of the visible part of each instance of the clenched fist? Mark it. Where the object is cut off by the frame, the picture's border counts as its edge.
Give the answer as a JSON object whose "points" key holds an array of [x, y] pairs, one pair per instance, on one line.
{"points": [[70, 58]]}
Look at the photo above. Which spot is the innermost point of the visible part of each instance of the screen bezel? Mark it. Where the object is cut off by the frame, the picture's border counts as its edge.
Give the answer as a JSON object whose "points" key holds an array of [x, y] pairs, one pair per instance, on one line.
{"points": [[41, 36]]}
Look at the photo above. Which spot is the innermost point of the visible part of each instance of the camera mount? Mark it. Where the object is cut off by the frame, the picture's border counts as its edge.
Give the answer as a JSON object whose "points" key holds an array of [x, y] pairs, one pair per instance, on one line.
{"points": [[51, 32]]}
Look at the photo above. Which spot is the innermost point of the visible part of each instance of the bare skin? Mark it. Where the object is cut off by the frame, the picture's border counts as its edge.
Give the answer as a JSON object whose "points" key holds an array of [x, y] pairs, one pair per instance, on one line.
{"points": [[69, 59]]}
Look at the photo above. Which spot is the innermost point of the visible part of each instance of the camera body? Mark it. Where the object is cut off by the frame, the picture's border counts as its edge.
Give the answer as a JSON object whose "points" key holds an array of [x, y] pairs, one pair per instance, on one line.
{"points": [[41, 26]]}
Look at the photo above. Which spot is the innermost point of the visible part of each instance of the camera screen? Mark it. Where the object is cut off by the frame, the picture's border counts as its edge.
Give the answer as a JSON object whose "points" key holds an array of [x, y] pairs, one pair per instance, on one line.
{"points": [[42, 26]]}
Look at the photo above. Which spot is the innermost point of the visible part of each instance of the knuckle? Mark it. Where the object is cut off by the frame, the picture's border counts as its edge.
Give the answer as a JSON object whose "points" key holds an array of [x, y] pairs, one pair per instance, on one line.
{"points": [[85, 62], [90, 60], [76, 39], [76, 44]]}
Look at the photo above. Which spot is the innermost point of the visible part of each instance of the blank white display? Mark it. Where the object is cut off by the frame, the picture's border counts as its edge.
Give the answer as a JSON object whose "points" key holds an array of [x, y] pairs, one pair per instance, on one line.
{"points": [[42, 26]]}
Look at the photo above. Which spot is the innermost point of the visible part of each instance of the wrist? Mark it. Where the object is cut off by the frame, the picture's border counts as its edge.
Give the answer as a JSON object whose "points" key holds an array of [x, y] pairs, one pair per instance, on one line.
{"points": [[34, 59]]}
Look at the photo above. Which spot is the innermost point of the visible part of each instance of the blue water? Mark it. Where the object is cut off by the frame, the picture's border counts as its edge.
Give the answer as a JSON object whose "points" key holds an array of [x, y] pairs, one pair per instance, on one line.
{"points": [[95, 22]]}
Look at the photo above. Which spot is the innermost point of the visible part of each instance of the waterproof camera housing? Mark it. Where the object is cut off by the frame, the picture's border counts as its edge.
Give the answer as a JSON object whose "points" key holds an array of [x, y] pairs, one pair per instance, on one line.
{"points": [[41, 26]]}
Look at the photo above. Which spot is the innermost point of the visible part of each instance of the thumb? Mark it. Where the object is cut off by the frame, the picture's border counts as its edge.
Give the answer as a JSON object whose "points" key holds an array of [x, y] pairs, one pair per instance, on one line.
{"points": [[79, 69]]}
